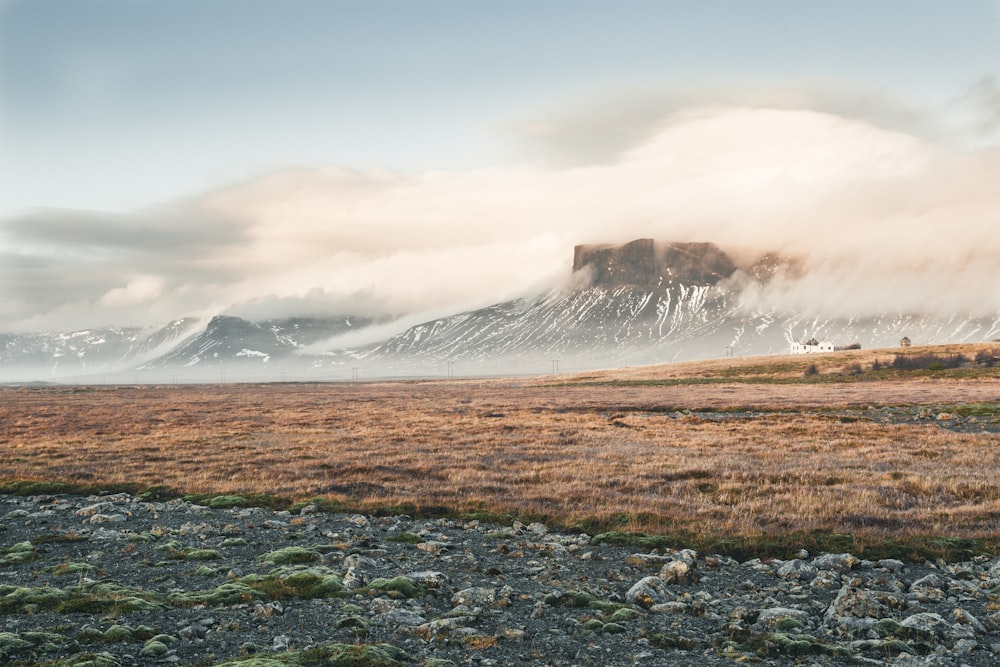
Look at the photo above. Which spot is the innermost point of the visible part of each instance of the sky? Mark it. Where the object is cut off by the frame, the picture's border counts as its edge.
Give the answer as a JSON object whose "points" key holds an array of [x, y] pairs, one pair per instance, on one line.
{"points": [[263, 158]]}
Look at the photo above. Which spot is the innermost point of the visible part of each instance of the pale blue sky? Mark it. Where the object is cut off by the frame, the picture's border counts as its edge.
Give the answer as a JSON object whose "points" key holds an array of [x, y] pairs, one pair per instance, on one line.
{"points": [[113, 105]]}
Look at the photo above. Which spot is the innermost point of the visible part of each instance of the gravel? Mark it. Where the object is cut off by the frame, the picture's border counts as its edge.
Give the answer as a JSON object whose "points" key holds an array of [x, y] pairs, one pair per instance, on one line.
{"points": [[114, 580]]}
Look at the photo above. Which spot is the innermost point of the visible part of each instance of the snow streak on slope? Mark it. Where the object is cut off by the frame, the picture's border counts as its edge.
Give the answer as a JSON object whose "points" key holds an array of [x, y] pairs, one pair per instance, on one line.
{"points": [[613, 326], [587, 326]]}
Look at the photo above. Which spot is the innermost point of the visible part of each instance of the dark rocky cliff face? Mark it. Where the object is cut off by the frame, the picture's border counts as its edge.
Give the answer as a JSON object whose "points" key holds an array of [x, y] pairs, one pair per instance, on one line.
{"points": [[645, 263]]}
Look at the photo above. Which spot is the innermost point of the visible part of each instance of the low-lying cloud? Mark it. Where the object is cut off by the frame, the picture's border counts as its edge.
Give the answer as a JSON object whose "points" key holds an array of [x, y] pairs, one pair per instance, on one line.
{"points": [[884, 220]]}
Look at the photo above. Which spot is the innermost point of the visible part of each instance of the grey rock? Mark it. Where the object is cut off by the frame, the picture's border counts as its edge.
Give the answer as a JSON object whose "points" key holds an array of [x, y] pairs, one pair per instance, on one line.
{"points": [[927, 625], [475, 597], [836, 562], [400, 618], [769, 619], [796, 569], [649, 591], [429, 578], [857, 603]]}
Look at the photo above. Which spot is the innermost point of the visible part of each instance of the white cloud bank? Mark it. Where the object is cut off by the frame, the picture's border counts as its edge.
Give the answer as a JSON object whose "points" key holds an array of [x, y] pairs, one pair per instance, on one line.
{"points": [[885, 221]]}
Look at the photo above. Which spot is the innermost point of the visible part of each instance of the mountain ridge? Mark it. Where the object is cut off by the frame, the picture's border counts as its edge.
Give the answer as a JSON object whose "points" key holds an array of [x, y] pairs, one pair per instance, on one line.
{"points": [[635, 303]]}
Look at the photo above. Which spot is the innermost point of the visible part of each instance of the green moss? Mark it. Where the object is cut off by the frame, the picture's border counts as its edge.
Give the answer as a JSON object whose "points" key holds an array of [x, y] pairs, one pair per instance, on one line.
{"points": [[94, 660], [351, 622], [334, 655], [19, 553], [155, 649], [883, 647], [118, 633], [38, 638], [407, 538], [624, 615], [788, 624], [71, 568], [201, 554], [11, 643], [397, 587], [290, 555], [172, 545], [232, 592], [90, 636], [234, 542], [301, 585], [780, 643]]}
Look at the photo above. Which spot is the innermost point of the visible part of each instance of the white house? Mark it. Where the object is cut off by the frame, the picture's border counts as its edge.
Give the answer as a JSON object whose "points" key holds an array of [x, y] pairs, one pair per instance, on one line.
{"points": [[811, 346]]}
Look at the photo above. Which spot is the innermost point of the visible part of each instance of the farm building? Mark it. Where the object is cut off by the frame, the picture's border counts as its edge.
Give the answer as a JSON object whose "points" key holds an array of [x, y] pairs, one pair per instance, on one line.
{"points": [[811, 346]]}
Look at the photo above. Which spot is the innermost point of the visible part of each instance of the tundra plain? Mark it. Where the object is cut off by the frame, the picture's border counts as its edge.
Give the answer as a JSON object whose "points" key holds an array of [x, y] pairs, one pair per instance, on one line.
{"points": [[787, 451]]}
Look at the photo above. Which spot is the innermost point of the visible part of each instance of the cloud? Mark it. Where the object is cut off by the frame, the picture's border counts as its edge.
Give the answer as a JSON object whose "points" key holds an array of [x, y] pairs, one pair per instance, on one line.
{"points": [[885, 220], [140, 290], [982, 103], [596, 128]]}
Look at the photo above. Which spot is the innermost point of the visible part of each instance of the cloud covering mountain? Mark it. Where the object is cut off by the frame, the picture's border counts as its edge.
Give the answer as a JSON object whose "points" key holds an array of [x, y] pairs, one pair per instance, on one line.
{"points": [[884, 220]]}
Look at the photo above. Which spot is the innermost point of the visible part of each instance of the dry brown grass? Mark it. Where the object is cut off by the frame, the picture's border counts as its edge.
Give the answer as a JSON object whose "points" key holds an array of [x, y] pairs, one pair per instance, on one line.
{"points": [[611, 456]]}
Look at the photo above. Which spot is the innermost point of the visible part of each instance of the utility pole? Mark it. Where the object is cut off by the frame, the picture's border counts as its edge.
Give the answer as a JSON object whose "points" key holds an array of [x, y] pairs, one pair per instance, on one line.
{"points": [[555, 366], [354, 375], [451, 370], [729, 350]]}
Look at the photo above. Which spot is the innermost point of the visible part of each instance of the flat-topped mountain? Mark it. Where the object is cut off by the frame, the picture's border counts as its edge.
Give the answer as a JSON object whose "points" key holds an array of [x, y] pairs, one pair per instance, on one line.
{"points": [[646, 263]]}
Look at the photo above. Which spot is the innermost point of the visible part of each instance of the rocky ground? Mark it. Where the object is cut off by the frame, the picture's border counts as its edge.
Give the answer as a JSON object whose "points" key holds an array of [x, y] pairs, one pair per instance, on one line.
{"points": [[116, 580]]}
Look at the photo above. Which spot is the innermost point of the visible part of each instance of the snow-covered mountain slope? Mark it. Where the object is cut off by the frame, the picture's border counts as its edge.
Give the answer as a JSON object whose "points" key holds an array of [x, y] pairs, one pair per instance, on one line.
{"points": [[232, 340], [106, 349], [620, 322], [602, 327]]}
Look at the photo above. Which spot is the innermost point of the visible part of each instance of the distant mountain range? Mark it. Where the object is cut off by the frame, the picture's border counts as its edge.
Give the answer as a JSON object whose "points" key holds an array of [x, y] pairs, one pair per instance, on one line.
{"points": [[636, 303]]}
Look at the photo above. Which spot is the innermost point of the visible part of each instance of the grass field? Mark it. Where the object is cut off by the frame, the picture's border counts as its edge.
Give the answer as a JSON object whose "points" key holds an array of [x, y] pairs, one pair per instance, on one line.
{"points": [[720, 454]]}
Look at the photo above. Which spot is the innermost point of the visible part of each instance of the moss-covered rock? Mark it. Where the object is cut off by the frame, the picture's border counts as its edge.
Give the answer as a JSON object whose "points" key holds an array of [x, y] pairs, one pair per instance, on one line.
{"points": [[335, 655], [624, 615], [397, 587], [155, 649], [577, 599], [22, 552], [95, 598], [71, 568], [118, 633], [231, 592], [290, 556], [303, 584]]}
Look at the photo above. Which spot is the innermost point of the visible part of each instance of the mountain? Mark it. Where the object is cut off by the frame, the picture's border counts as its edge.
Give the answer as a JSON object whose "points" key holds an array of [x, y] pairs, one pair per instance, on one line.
{"points": [[635, 303], [645, 302], [232, 340], [134, 353], [106, 349], [647, 264]]}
